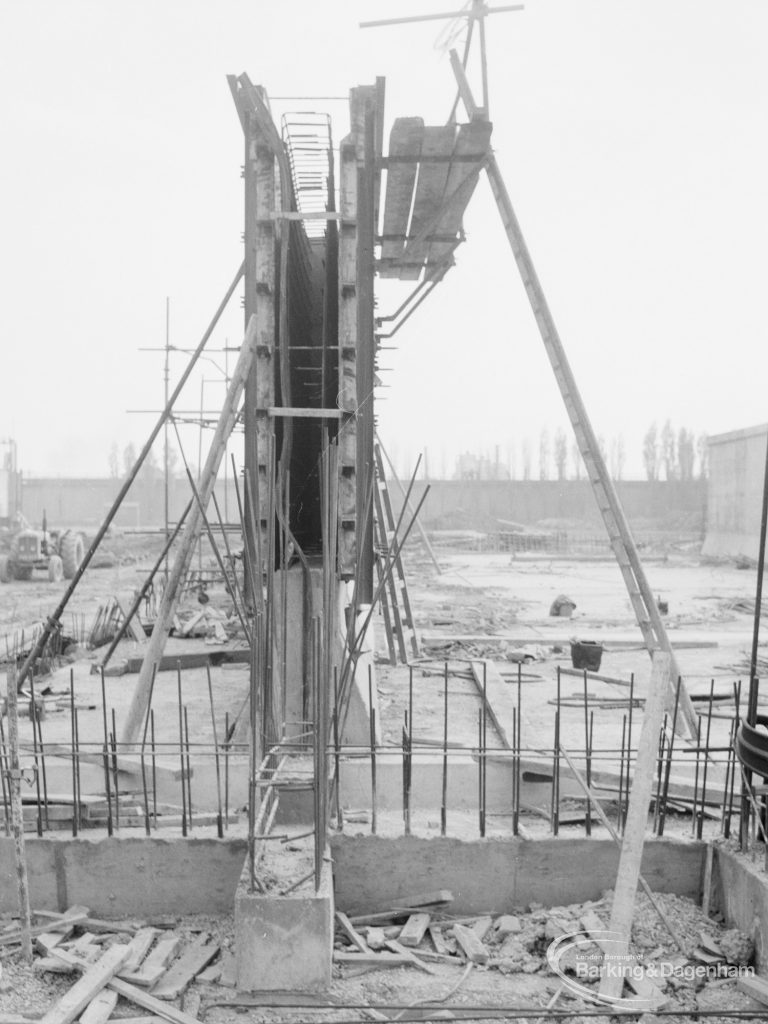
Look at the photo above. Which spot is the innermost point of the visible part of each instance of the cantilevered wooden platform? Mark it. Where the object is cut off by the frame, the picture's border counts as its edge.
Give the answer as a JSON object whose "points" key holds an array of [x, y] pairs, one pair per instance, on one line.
{"points": [[431, 175]]}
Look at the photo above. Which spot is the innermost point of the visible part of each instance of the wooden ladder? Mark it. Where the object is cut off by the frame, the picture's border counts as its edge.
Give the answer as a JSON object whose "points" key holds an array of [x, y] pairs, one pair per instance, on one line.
{"points": [[395, 603], [619, 534]]}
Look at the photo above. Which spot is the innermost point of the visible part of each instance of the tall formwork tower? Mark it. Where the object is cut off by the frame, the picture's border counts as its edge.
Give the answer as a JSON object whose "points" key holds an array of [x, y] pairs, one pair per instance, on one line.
{"points": [[309, 237]]}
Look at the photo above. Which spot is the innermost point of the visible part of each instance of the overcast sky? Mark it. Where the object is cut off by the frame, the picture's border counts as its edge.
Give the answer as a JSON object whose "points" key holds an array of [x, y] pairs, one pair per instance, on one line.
{"points": [[632, 136]]}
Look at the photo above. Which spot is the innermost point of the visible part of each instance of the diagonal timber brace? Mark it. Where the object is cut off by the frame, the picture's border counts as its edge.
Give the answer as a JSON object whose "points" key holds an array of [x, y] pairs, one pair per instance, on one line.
{"points": [[154, 654], [617, 527]]}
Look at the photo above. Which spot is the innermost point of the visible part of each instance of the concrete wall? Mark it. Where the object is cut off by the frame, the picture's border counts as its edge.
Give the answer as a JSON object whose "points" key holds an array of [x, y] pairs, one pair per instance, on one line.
{"points": [[740, 892], [500, 875], [125, 876], [85, 502], [471, 504], [735, 492], [476, 504]]}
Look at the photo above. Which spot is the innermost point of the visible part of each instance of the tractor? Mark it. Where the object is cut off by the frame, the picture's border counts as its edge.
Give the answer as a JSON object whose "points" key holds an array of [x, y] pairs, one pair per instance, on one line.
{"points": [[59, 552]]}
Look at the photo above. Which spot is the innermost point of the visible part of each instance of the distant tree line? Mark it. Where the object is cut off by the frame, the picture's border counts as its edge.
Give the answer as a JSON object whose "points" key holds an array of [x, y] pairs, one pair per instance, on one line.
{"points": [[121, 464], [668, 454]]}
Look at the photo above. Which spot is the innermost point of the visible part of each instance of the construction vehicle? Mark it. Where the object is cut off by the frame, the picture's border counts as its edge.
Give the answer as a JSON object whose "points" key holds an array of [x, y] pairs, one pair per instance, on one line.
{"points": [[58, 552]]}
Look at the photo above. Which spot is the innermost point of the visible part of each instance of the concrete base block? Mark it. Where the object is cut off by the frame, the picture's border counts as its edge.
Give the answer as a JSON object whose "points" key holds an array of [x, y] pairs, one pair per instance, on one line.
{"points": [[284, 943]]}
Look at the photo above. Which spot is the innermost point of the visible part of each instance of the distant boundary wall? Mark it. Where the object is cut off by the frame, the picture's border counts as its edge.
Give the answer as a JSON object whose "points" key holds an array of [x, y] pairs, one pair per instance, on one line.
{"points": [[85, 501], [735, 492], [451, 504], [479, 504]]}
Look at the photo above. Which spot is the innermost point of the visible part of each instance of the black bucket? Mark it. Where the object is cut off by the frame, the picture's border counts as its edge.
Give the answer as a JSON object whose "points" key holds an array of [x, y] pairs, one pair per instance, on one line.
{"points": [[586, 654]]}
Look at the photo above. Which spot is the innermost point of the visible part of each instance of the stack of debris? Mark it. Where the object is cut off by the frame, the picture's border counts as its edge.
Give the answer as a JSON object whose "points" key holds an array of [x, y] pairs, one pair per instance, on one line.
{"points": [[149, 965], [418, 932], [208, 622]]}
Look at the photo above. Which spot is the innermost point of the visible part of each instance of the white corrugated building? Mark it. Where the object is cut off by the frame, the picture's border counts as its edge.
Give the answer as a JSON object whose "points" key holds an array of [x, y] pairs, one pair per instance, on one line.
{"points": [[735, 492]]}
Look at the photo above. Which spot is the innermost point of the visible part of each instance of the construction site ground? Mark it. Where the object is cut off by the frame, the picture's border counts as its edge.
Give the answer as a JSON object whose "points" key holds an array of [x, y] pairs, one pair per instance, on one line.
{"points": [[515, 977], [481, 605]]}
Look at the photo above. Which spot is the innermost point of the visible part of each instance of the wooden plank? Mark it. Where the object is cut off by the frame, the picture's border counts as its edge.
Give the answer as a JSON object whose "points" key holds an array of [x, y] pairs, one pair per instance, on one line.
{"points": [[706, 887], [347, 357], [399, 950], [155, 964], [625, 889], [643, 986], [150, 1019], [136, 995], [579, 673], [132, 626], [363, 125], [471, 946], [500, 699], [375, 959], [354, 937], [424, 899], [139, 946], [305, 215], [472, 140], [73, 1002], [194, 958], [45, 942], [404, 140], [39, 929], [430, 189], [756, 988], [72, 915], [382, 918], [100, 1008], [82, 945], [413, 930], [260, 292], [149, 1002], [307, 414], [209, 975], [13, 770], [436, 934], [52, 965], [465, 90], [95, 924], [555, 639]]}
